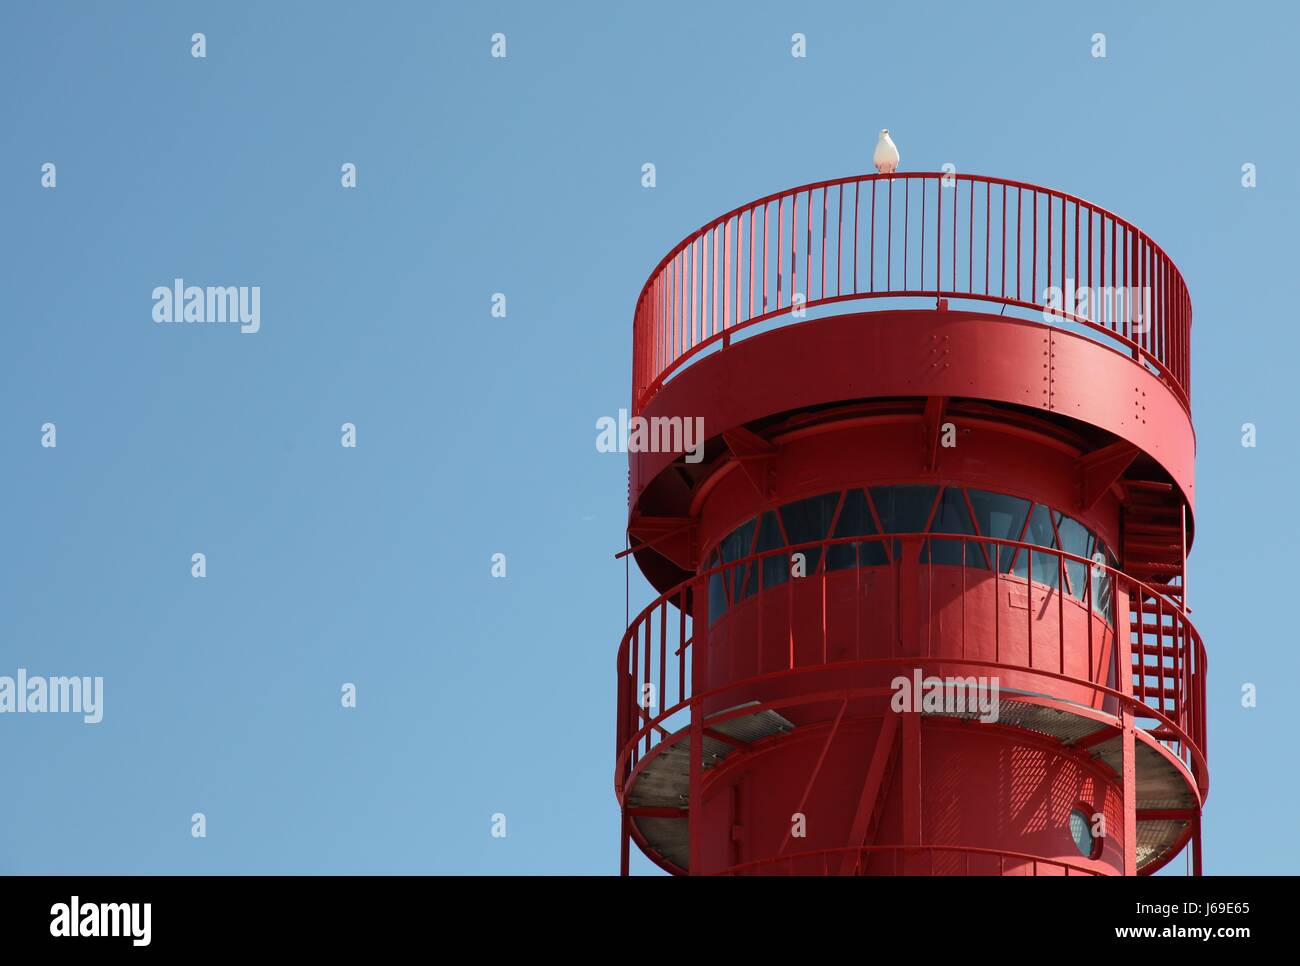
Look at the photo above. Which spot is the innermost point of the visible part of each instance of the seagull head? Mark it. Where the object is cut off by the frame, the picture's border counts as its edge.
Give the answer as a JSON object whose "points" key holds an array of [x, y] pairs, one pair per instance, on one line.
{"points": [[884, 134]]}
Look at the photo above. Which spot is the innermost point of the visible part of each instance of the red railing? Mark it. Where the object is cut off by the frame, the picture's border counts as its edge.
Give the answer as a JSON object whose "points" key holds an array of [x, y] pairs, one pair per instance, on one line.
{"points": [[913, 235], [925, 860], [1167, 656]]}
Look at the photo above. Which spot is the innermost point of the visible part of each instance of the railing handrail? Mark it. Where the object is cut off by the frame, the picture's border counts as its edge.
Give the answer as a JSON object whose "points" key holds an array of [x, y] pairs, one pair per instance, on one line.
{"points": [[628, 743], [1163, 344], [1191, 662], [859, 178], [704, 575]]}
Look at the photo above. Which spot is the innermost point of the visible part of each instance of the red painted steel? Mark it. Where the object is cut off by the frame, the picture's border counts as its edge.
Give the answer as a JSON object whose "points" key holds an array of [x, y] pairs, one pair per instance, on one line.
{"points": [[895, 354], [826, 336], [1159, 341], [903, 860], [1176, 703]]}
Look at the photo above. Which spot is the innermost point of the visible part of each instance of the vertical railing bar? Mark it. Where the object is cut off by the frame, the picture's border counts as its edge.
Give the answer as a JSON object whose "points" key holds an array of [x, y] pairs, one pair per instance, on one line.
{"points": [[907, 221], [752, 214], [714, 285], [1137, 288], [1140, 270], [702, 277], [1162, 288], [666, 337], [636, 675], [698, 279], [695, 281], [1093, 670], [1114, 272], [728, 256], [1128, 288], [807, 261], [659, 344], [739, 260], [956, 201], [726, 277], [970, 241], [1076, 253], [738, 316], [839, 242], [857, 186], [683, 639], [1142, 637], [1002, 254], [964, 545], [794, 247], [1148, 285], [652, 343], [997, 586], [938, 232], [929, 596], [889, 239], [1101, 263], [767, 207], [780, 248], [1063, 255], [825, 191], [688, 278], [1050, 265], [680, 277], [663, 665], [1033, 258], [1029, 611], [650, 338], [647, 671], [988, 231], [1166, 702], [821, 573], [681, 645], [1092, 314], [1020, 201], [1061, 579]]}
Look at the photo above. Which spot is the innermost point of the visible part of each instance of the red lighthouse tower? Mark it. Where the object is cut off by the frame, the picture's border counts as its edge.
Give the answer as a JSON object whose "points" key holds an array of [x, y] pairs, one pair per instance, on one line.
{"points": [[923, 582]]}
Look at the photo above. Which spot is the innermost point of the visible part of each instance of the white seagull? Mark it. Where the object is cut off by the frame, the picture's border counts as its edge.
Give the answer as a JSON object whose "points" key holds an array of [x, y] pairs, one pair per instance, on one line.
{"points": [[886, 156]]}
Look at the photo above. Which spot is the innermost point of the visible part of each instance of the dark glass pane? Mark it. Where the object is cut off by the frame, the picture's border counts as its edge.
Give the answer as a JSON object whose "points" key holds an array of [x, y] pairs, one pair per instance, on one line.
{"points": [[1047, 569], [738, 542], [903, 509], [842, 556], [1101, 583], [809, 520], [1002, 517], [1075, 539], [736, 546], [717, 590], [855, 520], [855, 516], [776, 568], [952, 517], [1045, 566], [1040, 532]]}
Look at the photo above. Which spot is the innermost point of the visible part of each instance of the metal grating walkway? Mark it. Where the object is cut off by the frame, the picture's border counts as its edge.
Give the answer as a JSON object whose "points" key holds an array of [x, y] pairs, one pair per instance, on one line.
{"points": [[664, 781]]}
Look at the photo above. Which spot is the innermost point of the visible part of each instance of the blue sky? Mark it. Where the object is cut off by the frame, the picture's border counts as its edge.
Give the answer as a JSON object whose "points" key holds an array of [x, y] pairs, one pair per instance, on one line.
{"points": [[476, 434]]}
